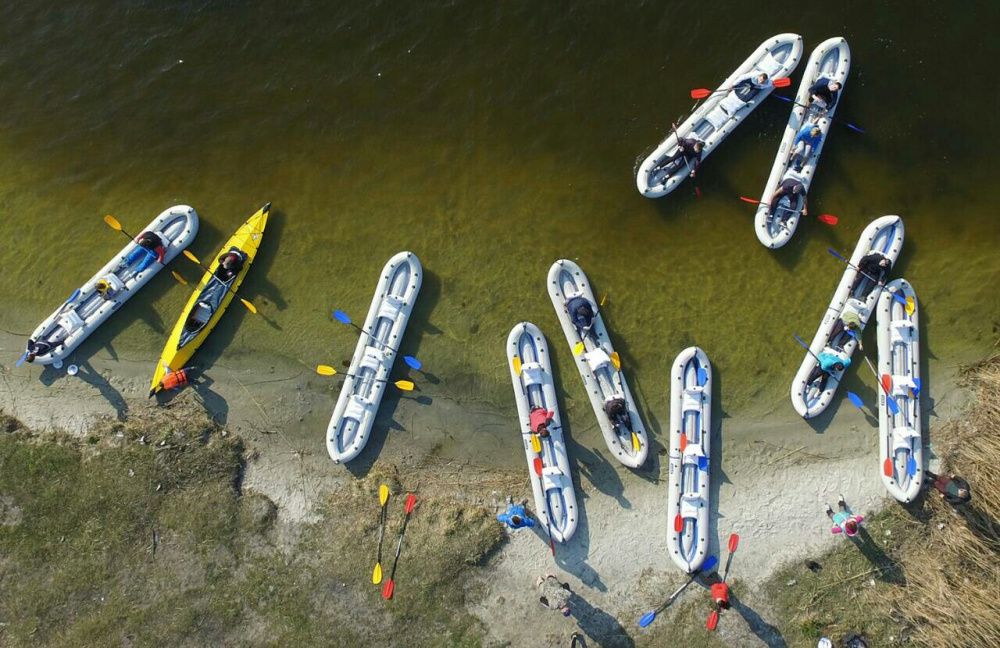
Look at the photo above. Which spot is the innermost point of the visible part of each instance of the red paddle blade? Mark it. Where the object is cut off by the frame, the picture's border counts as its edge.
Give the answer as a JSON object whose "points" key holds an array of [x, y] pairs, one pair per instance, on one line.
{"points": [[538, 466], [749, 200], [697, 191], [684, 441], [783, 82], [388, 589], [887, 467], [713, 620], [886, 382], [700, 93], [411, 501], [734, 541], [678, 524], [829, 219]]}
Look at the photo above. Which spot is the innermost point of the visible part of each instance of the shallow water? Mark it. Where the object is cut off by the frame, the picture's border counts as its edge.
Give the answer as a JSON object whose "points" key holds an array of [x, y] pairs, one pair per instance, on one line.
{"points": [[491, 141]]}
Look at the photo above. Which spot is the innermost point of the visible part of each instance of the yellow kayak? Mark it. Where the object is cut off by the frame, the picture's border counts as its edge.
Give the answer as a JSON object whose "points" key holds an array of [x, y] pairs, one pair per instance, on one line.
{"points": [[211, 297]]}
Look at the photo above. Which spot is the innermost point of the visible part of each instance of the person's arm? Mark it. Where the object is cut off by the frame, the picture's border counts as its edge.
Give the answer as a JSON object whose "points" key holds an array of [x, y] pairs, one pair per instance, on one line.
{"points": [[805, 204]]}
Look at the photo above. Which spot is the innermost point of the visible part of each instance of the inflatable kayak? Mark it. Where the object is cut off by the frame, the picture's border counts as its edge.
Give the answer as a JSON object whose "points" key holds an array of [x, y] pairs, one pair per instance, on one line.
{"points": [[105, 292], [548, 467], [885, 236], [902, 458], [598, 364], [718, 115], [690, 467], [210, 298], [351, 423], [831, 60]]}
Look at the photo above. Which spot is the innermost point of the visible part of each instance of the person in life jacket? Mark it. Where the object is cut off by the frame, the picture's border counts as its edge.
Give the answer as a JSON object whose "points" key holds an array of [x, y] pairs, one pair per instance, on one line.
{"points": [[538, 420], [150, 249], [720, 595], [617, 412], [828, 361], [581, 313], [230, 265], [175, 380]]}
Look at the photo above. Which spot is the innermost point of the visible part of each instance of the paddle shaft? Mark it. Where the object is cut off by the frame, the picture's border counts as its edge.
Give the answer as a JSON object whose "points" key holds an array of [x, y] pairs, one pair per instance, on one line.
{"points": [[853, 127], [677, 592], [399, 547], [381, 534]]}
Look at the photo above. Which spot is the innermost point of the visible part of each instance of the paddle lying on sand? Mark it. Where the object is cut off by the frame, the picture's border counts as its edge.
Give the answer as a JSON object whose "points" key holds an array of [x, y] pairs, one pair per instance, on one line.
{"points": [[537, 465], [853, 127], [829, 219], [734, 543], [908, 303], [702, 93], [383, 499], [650, 616], [390, 585], [344, 318], [327, 370]]}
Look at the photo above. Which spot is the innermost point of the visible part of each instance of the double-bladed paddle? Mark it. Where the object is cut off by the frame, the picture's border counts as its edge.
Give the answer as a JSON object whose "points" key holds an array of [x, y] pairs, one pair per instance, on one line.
{"points": [[650, 616], [702, 93], [383, 499], [327, 370], [344, 318], [390, 585]]}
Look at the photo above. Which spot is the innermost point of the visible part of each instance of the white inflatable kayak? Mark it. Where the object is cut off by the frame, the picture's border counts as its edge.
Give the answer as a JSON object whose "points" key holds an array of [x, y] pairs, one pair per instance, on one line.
{"points": [[551, 479], [598, 364], [87, 308], [351, 423], [902, 458], [719, 114], [690, 438], [884, 235], [830, 60]]}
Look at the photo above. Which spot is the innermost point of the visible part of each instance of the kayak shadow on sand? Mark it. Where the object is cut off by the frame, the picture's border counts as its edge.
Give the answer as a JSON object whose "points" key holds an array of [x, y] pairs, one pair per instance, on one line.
{"points": [[887, 569], [765, 631], [597, 624], [201, 386]]}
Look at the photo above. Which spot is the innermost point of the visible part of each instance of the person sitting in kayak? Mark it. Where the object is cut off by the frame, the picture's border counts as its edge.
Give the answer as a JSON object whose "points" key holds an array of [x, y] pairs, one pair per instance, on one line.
{"points": [[844, 520], [230, 265], [828, 361], [617, 412], [581, 313], [515, 516], [847, 326], [105, 289], [38, 348], [953, 489], [150, 248], [824, 93], [748, 85], [805, 143], [790, 187], [688, 153], [873, 266], [538, 420]]}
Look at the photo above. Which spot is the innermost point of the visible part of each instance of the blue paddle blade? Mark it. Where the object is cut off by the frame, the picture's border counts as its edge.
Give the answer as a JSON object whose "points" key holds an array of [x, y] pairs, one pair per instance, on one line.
{"points": [[72, 298], [917, 386], [412, 362], [911, 466], [703, 463], [855, 400], [801, 341], [709, 563], [20, 361], [341, 316], [898, 297], [782, 97], [702, 377], [836, 254], [891, 403], [855, 128], [646, 619]]}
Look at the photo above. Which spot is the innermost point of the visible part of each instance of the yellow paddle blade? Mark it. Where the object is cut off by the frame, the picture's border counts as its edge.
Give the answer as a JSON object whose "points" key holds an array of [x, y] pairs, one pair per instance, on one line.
{"points": [[516, 362], [326, 370], [249, 305], [405, 385], [578, 348], [113, 222], [635, 442], [181, 280], [616, 361], [191, 256], [536, 445], [910, 306], [383, 497], [604, 298], [377, 574]]}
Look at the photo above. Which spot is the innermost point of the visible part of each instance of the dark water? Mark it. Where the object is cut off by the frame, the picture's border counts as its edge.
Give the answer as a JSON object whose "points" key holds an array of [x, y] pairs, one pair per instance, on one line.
{"points": [[492, 139]]}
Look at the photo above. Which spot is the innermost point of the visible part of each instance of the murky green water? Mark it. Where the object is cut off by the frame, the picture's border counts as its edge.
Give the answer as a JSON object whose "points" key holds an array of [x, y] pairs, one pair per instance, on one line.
{"points": [[491, 140]]}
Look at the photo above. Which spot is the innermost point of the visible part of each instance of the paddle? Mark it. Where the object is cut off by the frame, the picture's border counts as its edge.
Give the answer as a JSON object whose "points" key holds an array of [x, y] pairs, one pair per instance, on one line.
{"points": [[882, 382], [536, 445], [383, 499], [516, 363], [390, 585], [344, 318], [829, 219], [537, 465], [853, 127], [246, 302], [702, 93], [734, 543], [856, 400], [327, 370], [650, 616], [895, 295]]}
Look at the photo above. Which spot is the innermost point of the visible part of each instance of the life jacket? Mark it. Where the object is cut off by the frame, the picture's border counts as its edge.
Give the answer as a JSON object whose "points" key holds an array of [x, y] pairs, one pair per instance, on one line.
{"points": [[720, 594], [175, 379]]}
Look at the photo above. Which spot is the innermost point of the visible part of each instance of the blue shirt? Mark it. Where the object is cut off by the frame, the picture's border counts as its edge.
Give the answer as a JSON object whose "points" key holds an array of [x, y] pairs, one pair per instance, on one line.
{"points": [[804, 136], [828, 360], [512, 510]]}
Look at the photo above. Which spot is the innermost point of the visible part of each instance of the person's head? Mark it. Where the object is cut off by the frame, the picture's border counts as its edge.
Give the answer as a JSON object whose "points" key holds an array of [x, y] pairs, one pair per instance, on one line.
{"points": [[761, 78], [565, 610], [815, 131], [516, 519], [148, 240], [30, 357], [699, 146], [543, 430], [964, 494], [884, 262], [102, 285], [838, 366], [851, 526], [834, 85], [798, 188], [852, 326], [230, 261]]}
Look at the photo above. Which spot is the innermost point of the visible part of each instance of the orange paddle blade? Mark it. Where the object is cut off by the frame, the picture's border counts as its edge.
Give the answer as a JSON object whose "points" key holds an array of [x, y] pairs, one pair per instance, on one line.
{"points": [[713, 620], [749, 200], [887, 467], [684, 441], [783, 82], [538, 466], [700, 93], [886, 382], [388, 589], [829, 219], [678, 524]]}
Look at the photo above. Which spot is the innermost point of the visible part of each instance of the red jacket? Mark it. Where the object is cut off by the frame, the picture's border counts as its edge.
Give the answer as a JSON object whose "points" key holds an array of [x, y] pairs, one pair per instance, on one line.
{"points": [[538, 417], [720, 594]]}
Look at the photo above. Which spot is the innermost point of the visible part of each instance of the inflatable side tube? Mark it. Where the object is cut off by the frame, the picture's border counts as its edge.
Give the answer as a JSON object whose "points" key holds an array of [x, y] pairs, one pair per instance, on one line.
{"points": [[351, 423], [595, 360], [884, 235], [531, 374], [70, 325], [688, 504], [719, 114], [901, 462], [830, 60]]}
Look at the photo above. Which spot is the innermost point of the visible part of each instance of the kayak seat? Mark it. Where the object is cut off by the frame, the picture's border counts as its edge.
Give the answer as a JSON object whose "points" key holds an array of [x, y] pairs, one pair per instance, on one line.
{"points": [[357, 407], [692, 452], [902, 331], [390, 308], [901, 385], [769, 65], [373, 359], [553, 478], [70, 321], [693, 399], [902, 438], [114, 282], [691, 504], [717, 117], [597, 359], [731, 104], [532, 374]]}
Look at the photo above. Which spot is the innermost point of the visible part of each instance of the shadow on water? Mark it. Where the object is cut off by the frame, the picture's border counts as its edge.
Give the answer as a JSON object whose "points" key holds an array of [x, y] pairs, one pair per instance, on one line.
{"points": [[765, 631], [420, 324], [718, 476], [598, 624]]}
